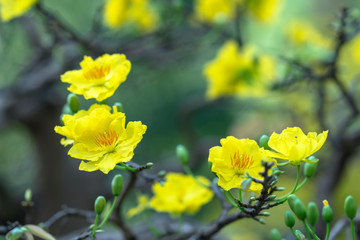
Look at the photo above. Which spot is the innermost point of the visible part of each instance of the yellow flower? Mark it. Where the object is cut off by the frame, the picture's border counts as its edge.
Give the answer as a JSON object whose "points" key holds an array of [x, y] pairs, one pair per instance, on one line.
{"points": [[143, 203], [10, 9], [349, 61], [265, 10], [293, 145], [140, 13], [100, 78], [212, 11], [181, 193], [100, 137], [234, 158], [235, 72], [302, 34]]}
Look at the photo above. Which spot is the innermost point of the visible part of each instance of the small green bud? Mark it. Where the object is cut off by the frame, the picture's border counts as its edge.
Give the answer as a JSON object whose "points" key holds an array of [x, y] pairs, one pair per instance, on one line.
{"points": [[300, 210], [266, 214], [261, 221], [289, 219], [327, 212], [312, 213], [300, 235], [73, 102], [275, 234], [263, 142], [149, 165], [28, 195], [117, 185], [271, 197], [310, 169], [119, 106], [182, 154], [280, 189], [350, 207], [273, 183], [99, 205], [245, 184], [161, 173], [67, 110], [252, 199], [291, 201], [15, 234]]}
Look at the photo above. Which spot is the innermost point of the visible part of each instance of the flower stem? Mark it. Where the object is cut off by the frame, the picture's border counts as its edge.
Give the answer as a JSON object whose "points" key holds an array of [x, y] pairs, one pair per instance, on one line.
{"points": [[311, 231], [108, 214], [295, 188], [327, 231], [352, 228], [293, 233], [301, 184], [126, 167], [229, 200], [95, 226]]}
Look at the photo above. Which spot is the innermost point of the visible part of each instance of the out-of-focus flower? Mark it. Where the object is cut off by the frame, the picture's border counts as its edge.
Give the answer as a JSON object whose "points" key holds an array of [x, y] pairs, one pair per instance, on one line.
{"points": [[10, 9], [302, 34], [181, 193], [349, 60], [100, 137], [293, 145], [143, 204], [241, 73], [265, 10], [234, 159], [140, 13], [98, 78]]}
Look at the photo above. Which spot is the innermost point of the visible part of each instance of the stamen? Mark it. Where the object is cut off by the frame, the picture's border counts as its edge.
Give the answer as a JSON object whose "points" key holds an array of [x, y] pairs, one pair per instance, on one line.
{"points": [[106, 138], [96, 72], [241, 161]]}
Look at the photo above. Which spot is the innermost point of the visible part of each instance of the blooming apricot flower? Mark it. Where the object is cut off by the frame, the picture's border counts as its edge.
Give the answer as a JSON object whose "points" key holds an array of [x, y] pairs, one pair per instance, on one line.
{"points": [[235, 72], [293, 145], [100, 137], [10, 9], [234, 158], [98, 79], [140, 13], [181, 193]]}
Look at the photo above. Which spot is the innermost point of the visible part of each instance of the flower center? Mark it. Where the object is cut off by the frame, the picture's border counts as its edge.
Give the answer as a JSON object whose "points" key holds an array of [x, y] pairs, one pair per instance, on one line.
{"points": [[106, 138], [96, 72], [241, 161]]}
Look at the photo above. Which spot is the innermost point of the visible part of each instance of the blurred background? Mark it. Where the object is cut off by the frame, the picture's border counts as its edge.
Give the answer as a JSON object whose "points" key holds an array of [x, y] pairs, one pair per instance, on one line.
{"points": [[169, 45]]}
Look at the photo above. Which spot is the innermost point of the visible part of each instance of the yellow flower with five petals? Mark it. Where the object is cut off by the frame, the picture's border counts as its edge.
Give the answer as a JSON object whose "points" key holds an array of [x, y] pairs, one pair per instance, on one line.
{"points": [[234, 159], [99, 137], [293, 145], [98, 78]]}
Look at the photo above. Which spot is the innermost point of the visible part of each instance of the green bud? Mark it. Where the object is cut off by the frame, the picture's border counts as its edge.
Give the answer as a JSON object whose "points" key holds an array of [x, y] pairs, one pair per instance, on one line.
{"points": [[99, 205], [28, 195], [161, 173], [289, 219], [73, 102], [15, 234], [350, 207], [245, 184], [312, 213], [291, 201], [265, 214], [275, 234], [263, 142], [117, 185], [67, 110], [327, 212], [252, 198], [271, 197], [300, 235], [119, 106], [182, 154], [280, 189], [149, 165], [310, 169], [300, 210], [273, 183]]}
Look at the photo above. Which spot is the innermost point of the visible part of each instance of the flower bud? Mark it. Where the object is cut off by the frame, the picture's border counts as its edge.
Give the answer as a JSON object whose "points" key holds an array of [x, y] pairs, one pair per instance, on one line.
{"points": [[67, 110], [117, 185], [73, 102], [312, 213], [280, 189], [291, 201], [289, 219], [15, 234], [161, 173], [99, 205], [310, 169], [300, 235], [350, 207], [327, 212], [28, 195], [119, 106], [271, 197], [149, 165], [182, 154], [263, 142], [275, 234], [245, 184], [300, 210]]}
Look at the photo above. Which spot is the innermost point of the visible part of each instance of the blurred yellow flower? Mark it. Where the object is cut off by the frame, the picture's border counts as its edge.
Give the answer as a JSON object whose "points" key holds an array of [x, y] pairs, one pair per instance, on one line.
{"points": [[100, 137], [235, 72], [10, 9], [213, 11], [349, 60], [98, 79], [293, 145], [301, 34], [143, 203], [265, 10], [181, 193], [234, 158], [140, 13]]}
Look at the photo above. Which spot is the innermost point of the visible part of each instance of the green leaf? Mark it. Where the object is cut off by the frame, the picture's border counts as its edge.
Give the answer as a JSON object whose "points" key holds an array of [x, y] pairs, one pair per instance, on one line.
{"points": [[39, 232]]}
